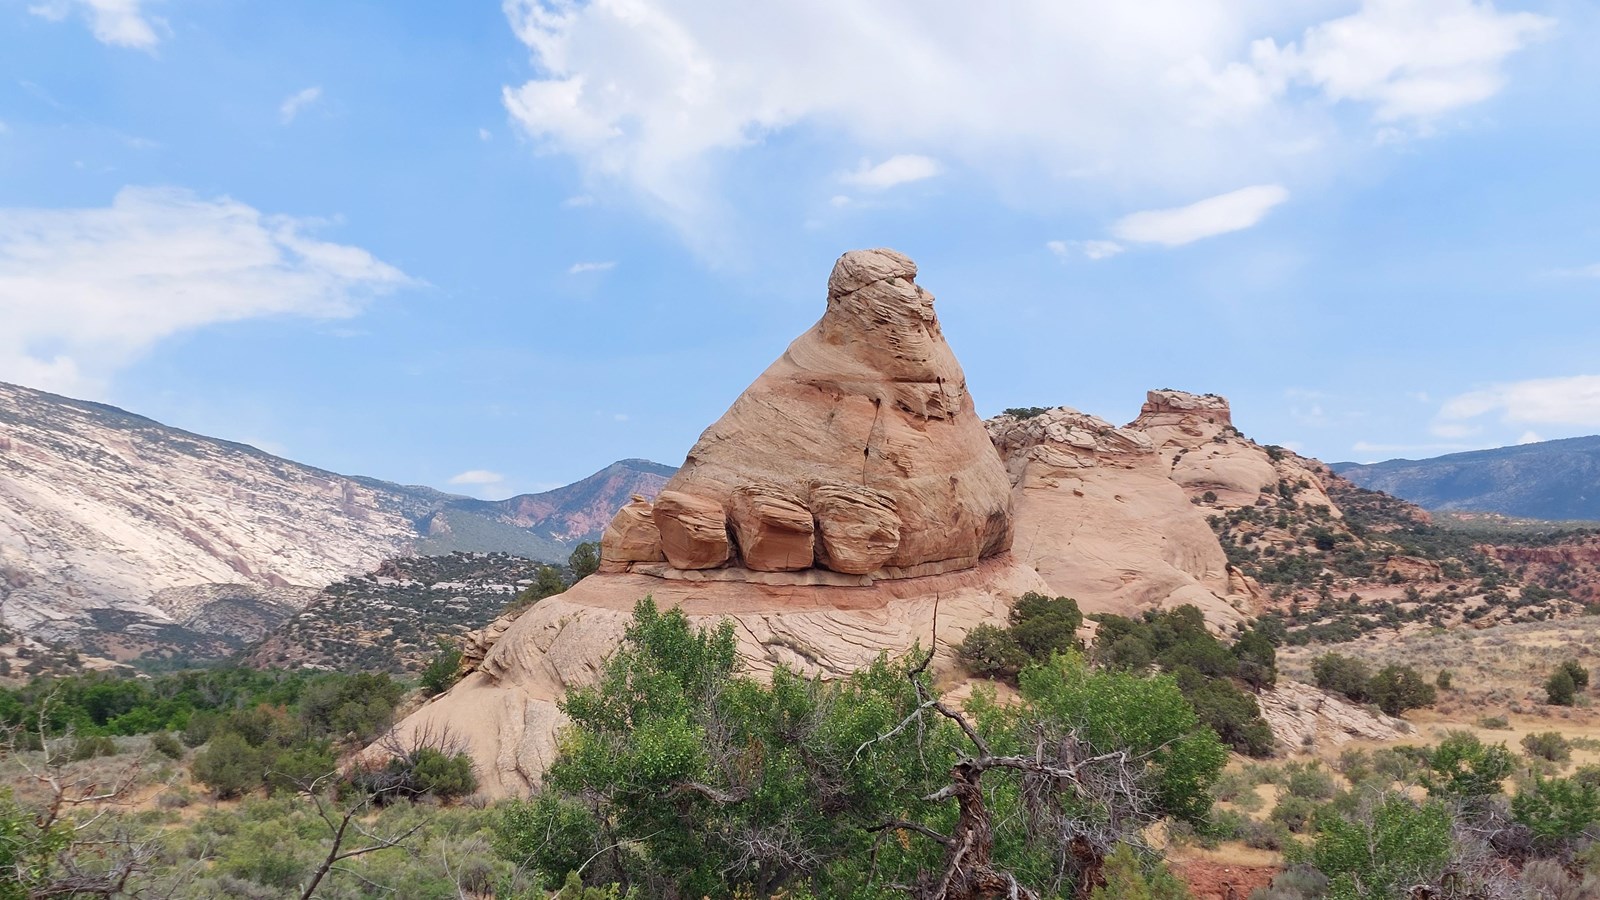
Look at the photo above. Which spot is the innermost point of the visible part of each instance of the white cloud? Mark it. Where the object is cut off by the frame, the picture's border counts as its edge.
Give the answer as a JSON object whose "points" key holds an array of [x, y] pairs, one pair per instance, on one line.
{"points": [[896, 170], [577, 201], [579, 268], [1529, 437], [1089, 249], [84, 292], [1161, 98], [297, 101], [1412, 60], [485, 134], [477, 477], [1573, 400], [120, 23], [1233, 211]]}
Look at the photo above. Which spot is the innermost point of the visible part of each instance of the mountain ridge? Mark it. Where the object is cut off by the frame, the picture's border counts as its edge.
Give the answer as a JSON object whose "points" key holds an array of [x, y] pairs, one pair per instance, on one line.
{"points": [[1550, 480], [102, 508]]}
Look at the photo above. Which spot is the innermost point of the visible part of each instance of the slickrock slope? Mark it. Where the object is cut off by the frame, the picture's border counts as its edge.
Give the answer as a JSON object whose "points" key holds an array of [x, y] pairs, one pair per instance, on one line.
{"points": [[1195, 434], [1099, 515], [104, 510], [849, 493]]}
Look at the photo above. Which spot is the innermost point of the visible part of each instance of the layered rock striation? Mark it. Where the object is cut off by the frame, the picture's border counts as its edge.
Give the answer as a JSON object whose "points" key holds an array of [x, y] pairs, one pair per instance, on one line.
{"points": [[1100, 517], [857, 453], [849, 503]]}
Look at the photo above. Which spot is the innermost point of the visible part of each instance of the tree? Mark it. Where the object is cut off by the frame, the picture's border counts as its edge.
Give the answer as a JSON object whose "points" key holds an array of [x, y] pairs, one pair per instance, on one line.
{"points": [[441, 670], [1257, 659], [679, 774], [1465, 769], [1388, 845], [991, 652], [1580, 675], [1556, 810], [1342, 675], [1560, 689], [584, 560], [1398, 688]]}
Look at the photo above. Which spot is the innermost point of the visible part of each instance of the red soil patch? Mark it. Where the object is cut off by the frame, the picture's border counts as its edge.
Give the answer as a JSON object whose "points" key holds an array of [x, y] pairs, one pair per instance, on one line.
{"points": [[1219, 881]]}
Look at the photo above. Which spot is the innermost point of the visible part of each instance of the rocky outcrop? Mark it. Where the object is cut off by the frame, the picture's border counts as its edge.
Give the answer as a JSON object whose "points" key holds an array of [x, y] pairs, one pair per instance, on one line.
{"points": [[694, 530], [774, 528], [1100, 518], [849, 503], [631, 537], [1304, 718], [1206, 455], [867, 418]]}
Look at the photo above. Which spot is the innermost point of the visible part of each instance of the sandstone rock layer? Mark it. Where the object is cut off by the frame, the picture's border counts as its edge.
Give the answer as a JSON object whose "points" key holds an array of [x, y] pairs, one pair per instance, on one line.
{"points": [[849, 503], [866, 416]]}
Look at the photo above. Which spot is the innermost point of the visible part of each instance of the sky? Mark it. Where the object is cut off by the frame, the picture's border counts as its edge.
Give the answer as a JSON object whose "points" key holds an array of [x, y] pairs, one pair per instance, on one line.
{"points": [[493, 247]]}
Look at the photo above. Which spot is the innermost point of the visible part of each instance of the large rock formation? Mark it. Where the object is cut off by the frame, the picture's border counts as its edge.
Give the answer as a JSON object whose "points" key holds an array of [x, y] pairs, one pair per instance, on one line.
{"points": [[1100, 517], [848, 495], [864, 422], [1206, 454]]}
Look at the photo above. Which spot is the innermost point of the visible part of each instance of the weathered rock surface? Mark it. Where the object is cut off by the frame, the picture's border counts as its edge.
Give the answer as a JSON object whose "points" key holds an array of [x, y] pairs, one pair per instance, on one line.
{"points": [[860, 528], [1206, 453], [631, 537], [103, 510], [505, 710], [1100, 518], [1303, 717], [774, 527], [694, 530], [870, 397], [863, 497]]}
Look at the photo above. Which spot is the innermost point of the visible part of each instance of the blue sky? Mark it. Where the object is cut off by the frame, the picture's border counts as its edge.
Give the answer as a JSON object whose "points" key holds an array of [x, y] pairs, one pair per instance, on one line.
{"points": [[494, 247]]}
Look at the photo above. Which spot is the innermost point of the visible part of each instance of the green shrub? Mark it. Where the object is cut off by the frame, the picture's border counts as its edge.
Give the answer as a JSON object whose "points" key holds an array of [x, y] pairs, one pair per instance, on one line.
{"points": [[440, 672], [1580, 675], [1556, 810], [991, 652], [1309, 780], [1294, 813], [1343, 675], [1393, 845], [1548, 745], [1043, 626], [1398, 688], [229, 766], [1128, 876], [1464, 768], [166, 744], [89, 746], [1560, 689]]}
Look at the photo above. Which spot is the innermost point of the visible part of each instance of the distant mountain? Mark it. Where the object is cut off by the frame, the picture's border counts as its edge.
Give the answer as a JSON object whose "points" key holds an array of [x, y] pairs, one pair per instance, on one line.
{"points": [[103, 511], [1556, 480]]}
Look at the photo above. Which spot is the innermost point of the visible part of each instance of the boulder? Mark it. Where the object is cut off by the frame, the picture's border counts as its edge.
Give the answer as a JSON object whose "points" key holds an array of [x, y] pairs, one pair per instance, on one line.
{"points": [[694, 530], [858, 529], [774, 529], [631, 537]]}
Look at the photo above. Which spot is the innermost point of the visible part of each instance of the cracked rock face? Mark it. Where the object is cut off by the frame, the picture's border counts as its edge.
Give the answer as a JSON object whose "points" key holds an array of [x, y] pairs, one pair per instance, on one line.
{"points": [[871, 403], [848, 499]]}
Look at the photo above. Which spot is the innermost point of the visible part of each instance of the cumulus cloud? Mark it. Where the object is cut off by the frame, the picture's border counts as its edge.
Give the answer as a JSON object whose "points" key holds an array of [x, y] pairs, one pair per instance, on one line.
{"points": [[896, 170], [477, 477], [1164, 97], [297, 101], [85, 292], [1572, 401], [120, 23], [579, 268], [1233, 211]]}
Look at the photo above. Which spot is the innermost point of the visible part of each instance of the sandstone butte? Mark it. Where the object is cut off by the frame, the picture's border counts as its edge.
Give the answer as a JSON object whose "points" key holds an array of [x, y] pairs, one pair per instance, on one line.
{"points": [[849, 494], [844, 496]]}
